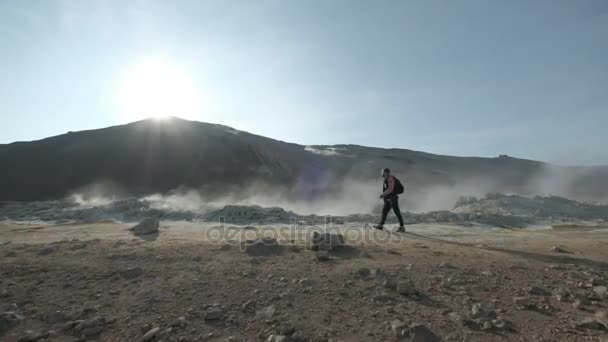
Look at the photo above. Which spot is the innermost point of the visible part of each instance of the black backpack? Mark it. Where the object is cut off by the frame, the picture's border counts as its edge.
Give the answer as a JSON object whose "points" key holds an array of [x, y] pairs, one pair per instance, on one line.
{"points": [[398, 186]]}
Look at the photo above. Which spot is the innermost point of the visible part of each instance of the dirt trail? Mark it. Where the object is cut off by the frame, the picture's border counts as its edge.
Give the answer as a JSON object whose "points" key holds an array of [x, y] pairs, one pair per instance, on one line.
{"points": [[195, 283]]}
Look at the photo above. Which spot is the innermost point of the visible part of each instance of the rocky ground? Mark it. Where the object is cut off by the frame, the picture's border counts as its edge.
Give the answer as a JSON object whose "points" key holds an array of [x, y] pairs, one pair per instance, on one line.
{"points": [[187, 283]]}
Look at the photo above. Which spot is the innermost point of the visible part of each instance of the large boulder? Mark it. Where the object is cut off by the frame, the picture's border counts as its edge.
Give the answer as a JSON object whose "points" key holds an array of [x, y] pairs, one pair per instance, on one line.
{"points": [[145, 227], [327, 241]]}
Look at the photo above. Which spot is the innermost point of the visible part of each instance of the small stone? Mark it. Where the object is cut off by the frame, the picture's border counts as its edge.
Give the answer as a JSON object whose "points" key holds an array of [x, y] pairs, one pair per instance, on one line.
{"points": [[588, 323], [560, 294], [276, 338], [132, 272], [46, 251], [268, 312], [406, 287], [363, 273], [305, 282], [420, 333], [90, 327], [558, 249], [398, 327], [600, 292], [327, 241], [248, 305], [31, 336], [248, 273], [263, 247], [520, 301], [214, 314], [478, 311], [537, 291], [56, 317], [579, 302], [322, 255], [455, 317], [150, 334], [286, 328]]}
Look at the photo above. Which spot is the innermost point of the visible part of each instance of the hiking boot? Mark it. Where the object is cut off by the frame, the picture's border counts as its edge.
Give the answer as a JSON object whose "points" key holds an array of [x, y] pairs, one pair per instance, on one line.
{"points": [[401, 229], [379, 227]]}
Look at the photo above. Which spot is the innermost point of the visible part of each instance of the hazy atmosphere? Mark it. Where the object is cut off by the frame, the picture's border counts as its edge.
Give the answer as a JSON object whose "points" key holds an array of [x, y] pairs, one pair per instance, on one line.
{"points": [[303, 170], [475, 78]]}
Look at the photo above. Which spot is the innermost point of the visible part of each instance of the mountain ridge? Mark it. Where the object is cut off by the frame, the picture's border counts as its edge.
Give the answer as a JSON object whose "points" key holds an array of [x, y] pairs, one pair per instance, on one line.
{"points": [[152, 156]]}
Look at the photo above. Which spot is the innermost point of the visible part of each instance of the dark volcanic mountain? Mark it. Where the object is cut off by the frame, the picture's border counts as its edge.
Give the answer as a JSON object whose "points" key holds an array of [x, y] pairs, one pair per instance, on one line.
{"points": [[151, 156]]}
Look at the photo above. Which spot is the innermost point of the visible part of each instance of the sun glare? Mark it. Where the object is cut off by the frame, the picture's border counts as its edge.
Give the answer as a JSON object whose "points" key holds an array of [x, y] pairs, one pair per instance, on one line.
{"points": [[156, 89]]}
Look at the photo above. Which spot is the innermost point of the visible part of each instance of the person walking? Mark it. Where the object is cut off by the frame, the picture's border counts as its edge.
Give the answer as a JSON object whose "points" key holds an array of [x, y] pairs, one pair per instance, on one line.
{"points": [[391, 188]]}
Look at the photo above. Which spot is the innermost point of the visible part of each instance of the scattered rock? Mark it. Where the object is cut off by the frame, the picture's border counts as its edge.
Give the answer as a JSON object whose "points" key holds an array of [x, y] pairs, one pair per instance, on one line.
{"points": [[558, 249], [327, 241], [600, 292], [406, 287], [57, 317], [150, 334], [322, 255], [398, 327], [10, 254], [456, 317], [597, 322], [90, 327], [214, 314], [479, 311], [363, 273], [520, 301], [180, 323], [305, 282], [224, 248], [46, 251], [248, 273], [132, 272], [379, 276], [286, 328], [8, 320], [268, 312], [537, 291], [580, 302], [263, 247], [420, 333], [145, 227], [561, 294], [31, 336], [78, 246], [248, 306]]}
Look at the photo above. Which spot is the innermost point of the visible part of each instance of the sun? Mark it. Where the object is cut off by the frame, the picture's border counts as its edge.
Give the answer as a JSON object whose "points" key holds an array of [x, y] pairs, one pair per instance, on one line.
{"points": [[157, 89]]}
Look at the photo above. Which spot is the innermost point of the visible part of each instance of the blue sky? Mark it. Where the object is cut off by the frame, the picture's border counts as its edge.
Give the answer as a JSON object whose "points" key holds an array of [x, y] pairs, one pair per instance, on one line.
{"points": [[463, 77]]}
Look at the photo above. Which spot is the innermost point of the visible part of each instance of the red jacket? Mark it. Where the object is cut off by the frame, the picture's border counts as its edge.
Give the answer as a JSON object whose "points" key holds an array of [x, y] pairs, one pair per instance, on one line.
{"points": [[388, 187]]}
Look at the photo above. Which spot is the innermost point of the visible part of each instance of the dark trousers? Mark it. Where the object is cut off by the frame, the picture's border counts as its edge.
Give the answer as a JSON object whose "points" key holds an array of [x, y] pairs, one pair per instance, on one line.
{"points": [[391, 201]]}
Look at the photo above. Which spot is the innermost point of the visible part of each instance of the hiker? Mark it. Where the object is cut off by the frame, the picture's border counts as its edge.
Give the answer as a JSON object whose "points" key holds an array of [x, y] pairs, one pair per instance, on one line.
{"points": [[391, 188]]}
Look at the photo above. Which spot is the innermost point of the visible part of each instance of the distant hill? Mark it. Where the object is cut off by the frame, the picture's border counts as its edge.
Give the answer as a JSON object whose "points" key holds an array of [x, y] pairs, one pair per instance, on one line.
{"points": [[152, 156]]}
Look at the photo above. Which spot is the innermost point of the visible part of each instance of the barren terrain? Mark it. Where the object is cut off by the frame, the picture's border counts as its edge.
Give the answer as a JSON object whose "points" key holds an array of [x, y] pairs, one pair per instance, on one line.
{"points": [[436, 282]]}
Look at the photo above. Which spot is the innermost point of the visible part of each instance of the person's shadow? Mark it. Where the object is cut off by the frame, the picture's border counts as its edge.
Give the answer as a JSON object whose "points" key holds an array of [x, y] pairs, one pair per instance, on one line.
{"points": [[557, 259]]}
